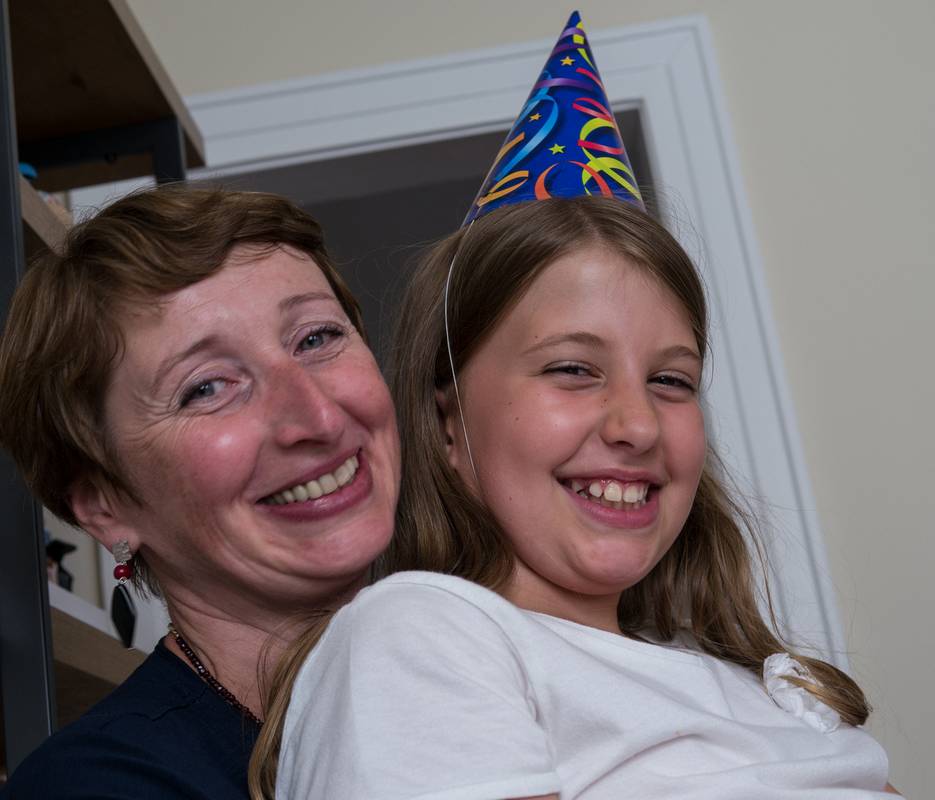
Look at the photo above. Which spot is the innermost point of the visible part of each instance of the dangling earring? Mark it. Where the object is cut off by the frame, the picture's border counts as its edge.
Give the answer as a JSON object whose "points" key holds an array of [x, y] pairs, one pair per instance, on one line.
{"points": [[123, 556], [122, 607]]}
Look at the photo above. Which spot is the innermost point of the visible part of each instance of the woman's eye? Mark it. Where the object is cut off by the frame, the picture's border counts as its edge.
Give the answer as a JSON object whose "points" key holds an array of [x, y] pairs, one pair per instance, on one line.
{"points": [[318, 338], [203, 390]]}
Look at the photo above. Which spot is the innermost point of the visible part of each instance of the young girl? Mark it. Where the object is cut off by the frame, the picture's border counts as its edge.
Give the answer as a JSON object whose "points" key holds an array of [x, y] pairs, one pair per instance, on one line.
{"points": [[602, 637], [585, 622]]}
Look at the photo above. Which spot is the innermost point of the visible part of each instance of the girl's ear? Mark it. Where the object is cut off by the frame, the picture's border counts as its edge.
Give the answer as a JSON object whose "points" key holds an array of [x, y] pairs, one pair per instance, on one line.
{"points": [[102, 514], [447, 422]]}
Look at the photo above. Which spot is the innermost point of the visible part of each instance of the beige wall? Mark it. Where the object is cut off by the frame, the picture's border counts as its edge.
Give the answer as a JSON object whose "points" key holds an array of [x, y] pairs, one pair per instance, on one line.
{"points": [[833, 110]]}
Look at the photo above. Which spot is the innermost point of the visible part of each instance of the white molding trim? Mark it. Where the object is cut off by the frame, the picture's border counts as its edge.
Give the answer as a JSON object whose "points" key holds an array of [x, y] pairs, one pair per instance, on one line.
{"points": [[668, 71]]}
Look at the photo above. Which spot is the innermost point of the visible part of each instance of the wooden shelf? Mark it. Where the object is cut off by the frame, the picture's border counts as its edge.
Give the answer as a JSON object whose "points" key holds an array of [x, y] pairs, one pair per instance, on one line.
{"points": [[88, 664], [85, 66], [42, 226], [89, 661]]}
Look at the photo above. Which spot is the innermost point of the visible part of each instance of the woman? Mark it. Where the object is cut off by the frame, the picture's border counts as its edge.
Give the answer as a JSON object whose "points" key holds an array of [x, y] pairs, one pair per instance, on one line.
{"points": [[209, 411]]}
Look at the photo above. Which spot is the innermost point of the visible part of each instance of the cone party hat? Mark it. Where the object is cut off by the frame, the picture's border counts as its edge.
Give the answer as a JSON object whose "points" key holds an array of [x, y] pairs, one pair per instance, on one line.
{"points": [[565, 142]]}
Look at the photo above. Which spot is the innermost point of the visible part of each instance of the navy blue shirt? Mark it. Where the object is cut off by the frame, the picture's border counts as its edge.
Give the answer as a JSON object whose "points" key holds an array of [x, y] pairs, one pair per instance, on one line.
{"points": [[163, 733]]}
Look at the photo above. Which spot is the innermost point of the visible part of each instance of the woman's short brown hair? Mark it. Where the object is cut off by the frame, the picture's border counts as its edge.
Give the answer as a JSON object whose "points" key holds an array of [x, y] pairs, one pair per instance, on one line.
{"points": [[63, 334]]}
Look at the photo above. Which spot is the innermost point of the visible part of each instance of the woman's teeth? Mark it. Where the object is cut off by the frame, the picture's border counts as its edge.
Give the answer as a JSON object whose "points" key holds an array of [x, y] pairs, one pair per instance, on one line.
{"points": [[322, 485], [611, 493]]}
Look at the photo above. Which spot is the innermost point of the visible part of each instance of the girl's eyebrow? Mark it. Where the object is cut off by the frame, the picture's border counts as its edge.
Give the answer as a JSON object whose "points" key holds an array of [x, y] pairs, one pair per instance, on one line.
{"points": [[573, 337], [592, 340], [680, 351]]}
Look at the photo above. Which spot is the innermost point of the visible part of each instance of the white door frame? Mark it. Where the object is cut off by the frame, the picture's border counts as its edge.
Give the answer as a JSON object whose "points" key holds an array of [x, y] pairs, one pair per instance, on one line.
{"points": [[668, 71]]}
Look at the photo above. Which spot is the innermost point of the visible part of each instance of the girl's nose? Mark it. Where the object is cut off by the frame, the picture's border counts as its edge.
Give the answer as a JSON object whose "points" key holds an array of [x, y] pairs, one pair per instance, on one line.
{"points": [[303, 407], [630, 419]]}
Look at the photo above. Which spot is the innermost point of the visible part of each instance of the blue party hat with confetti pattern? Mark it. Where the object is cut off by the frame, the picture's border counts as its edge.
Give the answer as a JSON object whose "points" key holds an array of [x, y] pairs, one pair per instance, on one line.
{"points": [[565, 142]]}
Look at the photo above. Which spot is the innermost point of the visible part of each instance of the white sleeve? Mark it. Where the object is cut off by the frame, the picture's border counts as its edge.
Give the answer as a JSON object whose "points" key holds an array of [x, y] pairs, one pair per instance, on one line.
{"points": [[414, 692]]}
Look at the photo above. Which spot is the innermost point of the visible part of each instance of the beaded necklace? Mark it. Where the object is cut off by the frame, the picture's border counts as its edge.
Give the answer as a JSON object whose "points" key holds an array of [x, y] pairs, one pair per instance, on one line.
{"points": [[208, 678]]}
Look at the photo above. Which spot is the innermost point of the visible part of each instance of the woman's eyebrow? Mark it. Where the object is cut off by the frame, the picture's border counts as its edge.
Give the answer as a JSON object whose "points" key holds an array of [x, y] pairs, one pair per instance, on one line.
{"points": [[298, 299], [170, 362], [573, 337]]}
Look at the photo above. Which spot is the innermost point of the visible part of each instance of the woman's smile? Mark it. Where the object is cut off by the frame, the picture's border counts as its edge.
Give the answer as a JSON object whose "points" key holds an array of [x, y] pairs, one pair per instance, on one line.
{"points": [[324, 483], [328, 494]]}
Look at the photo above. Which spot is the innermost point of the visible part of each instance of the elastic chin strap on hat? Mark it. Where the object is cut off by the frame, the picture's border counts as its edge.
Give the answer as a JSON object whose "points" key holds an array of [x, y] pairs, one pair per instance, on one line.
{"points": [[451, 362]]}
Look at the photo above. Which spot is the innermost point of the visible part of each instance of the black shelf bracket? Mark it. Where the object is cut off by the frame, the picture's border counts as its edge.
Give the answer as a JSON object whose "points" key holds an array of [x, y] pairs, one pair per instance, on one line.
{"points": [[163, 139]]}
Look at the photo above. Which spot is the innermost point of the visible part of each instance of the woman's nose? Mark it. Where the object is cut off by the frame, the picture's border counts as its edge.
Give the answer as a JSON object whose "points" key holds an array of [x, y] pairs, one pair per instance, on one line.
{"points": [[303, 407], [630, 420]]}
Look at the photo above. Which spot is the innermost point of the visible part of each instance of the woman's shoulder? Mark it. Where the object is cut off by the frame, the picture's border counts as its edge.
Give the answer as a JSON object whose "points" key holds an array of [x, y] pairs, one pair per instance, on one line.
{"points": [[161, 733]]}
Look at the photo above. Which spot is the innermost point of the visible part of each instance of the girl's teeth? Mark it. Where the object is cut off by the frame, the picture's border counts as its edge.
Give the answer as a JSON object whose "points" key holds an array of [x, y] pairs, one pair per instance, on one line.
{"points": [[632, 493], [611, 493], [324, 484]]}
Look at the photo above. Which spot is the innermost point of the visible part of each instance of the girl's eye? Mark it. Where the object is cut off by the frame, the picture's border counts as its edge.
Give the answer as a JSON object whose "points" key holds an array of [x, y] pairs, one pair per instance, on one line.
{"points": [[202, 391], [577, 370], [674, 381], [320, 337]]}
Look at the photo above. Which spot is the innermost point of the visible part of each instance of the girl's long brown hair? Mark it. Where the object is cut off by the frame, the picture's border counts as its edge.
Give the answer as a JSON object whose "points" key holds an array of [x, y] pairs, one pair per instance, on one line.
{"points": [[704, 584]]}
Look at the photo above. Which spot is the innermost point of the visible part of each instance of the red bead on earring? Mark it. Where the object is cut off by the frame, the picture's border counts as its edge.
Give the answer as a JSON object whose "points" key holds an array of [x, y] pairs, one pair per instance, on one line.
{"points": [[123, 555]]}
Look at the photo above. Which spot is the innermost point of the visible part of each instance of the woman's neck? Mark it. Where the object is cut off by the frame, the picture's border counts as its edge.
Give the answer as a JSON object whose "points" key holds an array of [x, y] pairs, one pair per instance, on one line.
{"points": [[238, 641], [234, 652]]}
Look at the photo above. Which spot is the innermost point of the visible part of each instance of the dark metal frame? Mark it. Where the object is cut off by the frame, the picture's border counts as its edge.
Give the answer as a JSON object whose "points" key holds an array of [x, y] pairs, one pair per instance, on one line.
{"points": [[27, 680], [25, 627]]}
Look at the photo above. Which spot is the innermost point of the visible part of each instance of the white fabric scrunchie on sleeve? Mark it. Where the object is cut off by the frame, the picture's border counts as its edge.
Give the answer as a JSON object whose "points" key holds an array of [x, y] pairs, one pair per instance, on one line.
{"points": [[797, 701]]}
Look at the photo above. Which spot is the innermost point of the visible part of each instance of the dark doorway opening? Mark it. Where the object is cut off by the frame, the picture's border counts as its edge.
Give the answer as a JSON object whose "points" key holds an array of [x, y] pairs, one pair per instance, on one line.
{"points": [[381, 209]]}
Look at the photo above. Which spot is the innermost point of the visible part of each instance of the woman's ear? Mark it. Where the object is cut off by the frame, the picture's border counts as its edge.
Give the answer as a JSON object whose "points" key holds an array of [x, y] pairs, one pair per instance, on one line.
{"points": [[102, 514], [447, 422]]}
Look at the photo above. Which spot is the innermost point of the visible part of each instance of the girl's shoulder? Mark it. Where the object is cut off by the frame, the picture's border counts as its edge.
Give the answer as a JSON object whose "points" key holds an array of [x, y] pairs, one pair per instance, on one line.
{"points": [[417, 629], [432, 585], [428, 599]]}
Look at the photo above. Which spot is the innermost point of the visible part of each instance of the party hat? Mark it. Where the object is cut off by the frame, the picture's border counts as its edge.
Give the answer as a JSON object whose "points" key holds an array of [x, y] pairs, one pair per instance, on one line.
{"points": [[565, 142]]}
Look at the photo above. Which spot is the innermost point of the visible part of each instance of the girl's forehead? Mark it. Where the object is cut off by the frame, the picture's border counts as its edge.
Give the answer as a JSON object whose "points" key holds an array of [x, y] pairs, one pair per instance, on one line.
{"points": [[588, 282]]}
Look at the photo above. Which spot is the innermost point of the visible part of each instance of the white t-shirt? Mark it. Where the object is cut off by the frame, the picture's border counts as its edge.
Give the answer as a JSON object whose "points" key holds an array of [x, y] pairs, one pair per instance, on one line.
{"points": [[428, 686]]}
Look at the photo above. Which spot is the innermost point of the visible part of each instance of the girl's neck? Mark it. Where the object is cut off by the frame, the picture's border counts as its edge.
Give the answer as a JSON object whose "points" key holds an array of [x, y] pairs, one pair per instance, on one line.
{"points": [[595, 611]]}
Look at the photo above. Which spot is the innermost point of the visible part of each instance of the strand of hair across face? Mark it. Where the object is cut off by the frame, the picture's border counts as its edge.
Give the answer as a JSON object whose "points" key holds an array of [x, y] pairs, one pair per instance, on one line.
{"points": [[451, 360]]}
